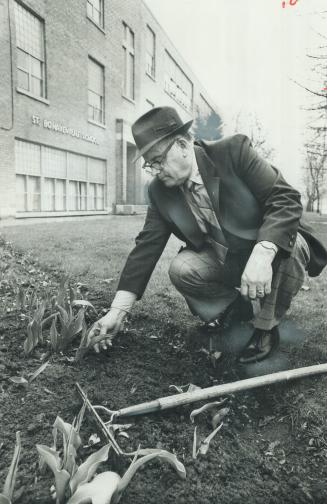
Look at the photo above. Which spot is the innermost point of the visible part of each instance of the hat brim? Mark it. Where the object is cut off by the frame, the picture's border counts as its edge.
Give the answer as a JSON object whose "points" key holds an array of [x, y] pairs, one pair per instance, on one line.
{"points": [[181, 129]]}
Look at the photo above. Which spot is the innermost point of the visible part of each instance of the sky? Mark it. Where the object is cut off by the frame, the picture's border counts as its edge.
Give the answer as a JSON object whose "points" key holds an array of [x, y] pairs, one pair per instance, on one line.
{"points": [[247, 53]]}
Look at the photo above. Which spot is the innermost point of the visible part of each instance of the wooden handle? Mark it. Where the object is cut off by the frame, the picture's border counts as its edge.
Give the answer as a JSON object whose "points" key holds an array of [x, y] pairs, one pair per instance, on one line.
{"points": [[218, 390]]}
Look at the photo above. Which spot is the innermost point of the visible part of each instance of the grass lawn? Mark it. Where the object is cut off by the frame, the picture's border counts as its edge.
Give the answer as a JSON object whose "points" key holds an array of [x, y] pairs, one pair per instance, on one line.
{"points": [[272, 448], [94, 250]]}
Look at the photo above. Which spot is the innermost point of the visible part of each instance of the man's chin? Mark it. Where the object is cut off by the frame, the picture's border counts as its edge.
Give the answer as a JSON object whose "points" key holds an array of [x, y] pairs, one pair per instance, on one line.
{"points": [[168, 182]]}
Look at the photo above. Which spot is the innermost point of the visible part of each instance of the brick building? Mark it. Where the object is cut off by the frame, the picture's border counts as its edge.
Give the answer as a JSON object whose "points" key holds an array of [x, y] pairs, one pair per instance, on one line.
{"points": [[74, 77]]}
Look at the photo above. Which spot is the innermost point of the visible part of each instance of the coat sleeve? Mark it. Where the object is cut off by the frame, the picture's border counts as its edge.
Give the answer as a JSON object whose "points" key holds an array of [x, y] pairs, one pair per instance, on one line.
{"points": [[149, 245], [280, 202]]}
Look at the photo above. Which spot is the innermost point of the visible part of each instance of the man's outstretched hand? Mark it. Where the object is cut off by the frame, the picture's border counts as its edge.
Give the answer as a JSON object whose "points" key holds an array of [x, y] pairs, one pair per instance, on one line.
{"points": [[105, 329]]}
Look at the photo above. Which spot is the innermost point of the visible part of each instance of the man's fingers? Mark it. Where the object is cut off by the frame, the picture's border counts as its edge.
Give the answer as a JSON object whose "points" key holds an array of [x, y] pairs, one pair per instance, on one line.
{"points": [[252, 292], [244, 289], [267, 289], [260, 291]]}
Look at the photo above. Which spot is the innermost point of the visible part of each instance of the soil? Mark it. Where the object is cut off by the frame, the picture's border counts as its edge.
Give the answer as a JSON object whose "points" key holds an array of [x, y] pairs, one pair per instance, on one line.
{"points": [[271, 448]]}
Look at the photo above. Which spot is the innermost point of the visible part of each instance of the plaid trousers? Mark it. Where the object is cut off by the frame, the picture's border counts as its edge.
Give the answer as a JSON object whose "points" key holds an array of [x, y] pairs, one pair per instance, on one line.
{"points": [[209, 287]]}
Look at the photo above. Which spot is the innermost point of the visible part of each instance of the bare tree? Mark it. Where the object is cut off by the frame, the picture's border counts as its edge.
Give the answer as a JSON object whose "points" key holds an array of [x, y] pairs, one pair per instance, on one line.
{"points": [[315, 176], [252, 127]]}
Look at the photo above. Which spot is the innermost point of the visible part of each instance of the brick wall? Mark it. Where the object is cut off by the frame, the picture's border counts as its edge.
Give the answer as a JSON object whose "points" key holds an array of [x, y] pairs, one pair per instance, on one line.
{"points": [[70, 38], [7, 179]]}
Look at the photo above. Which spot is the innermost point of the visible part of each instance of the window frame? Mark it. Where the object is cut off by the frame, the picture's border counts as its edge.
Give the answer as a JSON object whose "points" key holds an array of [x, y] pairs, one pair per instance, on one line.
{"points": [[30, 57], [101, 11], [129, 70], [102, 97], [48, 202], [152, 73]]}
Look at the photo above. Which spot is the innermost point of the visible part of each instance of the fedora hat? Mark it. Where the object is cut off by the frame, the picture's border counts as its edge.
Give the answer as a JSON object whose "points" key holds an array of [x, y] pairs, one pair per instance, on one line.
{"points": [[154, 126]]}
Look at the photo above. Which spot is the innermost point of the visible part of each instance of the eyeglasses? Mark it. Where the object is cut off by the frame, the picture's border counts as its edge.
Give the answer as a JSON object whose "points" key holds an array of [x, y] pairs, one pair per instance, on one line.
{"points": [[155, 167]]}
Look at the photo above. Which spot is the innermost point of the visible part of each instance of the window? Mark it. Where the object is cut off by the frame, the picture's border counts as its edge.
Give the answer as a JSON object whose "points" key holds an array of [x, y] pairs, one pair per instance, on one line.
{"points": [[177, 84], [77, 167], [96, 197], [54, 195], [60, 195], [77, 195], [150, 52], [128, 48], [54, 180], [96, 92], [28, 193], [30, 52], [95, 11], [21, 193]]}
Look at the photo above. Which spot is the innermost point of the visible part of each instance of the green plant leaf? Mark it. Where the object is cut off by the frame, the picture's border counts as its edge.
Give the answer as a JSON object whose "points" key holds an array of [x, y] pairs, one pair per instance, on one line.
{"points": [[9, 485], [62, 477], [217, 417], [62, 292], [165, 456], [86, 470], [126, 479], [67, 431], [72, 295], [85, 303], [83, 346], [38, 371], [64, 317], [80, 417], [32, 338], [39, 312], [19, 380], [54, 337], [149, 454], [99, 491], [206, 407], [4, 499], [77, 323], [204, 446]]}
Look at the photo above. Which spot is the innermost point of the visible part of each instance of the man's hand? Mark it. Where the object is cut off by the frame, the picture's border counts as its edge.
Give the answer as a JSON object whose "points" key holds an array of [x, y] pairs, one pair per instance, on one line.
{"points": [[257, 275], [105, 329]]}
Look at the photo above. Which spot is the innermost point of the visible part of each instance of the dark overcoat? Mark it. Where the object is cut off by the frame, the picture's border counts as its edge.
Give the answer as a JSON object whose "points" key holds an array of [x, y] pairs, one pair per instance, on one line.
{"points": [[250, 197]]}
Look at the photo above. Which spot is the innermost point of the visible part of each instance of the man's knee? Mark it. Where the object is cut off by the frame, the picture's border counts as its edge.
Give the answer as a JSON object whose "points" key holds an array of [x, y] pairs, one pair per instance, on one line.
{"points": [[181, 271]]}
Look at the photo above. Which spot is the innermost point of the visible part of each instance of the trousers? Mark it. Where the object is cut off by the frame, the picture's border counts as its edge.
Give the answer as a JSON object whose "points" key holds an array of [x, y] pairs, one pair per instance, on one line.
{"points": [[209, 286]]}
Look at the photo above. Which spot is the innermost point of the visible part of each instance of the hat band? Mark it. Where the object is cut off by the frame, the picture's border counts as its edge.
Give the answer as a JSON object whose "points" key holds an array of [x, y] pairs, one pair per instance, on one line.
{"points": [[167, 128]]}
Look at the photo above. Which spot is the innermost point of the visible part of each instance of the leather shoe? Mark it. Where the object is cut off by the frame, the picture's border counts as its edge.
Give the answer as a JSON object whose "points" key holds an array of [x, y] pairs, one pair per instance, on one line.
{"points": [[260, 346], [238, 310]]}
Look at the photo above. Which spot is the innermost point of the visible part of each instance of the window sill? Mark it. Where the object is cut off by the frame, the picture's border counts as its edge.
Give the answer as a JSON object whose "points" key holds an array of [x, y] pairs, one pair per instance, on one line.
{"points": [[152, 77], [128, 99], [96, 24], [95, 123], [34, 97]]}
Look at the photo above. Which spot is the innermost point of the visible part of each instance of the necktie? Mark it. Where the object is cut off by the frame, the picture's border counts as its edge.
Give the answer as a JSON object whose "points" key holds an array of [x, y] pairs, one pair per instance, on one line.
{"points": [[203, 206]]}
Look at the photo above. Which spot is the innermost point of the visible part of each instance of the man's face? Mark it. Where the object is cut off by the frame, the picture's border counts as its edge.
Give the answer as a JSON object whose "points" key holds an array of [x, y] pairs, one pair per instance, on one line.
{"points": [[175, 164]]}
